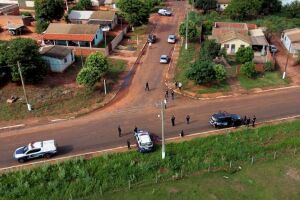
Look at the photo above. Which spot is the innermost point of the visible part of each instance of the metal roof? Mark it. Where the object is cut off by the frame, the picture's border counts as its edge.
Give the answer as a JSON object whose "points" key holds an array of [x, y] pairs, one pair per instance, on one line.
{"points": [[58, 52], [80, 15]]}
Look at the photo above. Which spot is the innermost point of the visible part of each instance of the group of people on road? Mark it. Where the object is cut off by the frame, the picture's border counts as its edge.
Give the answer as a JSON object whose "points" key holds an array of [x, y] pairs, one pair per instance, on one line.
{"points": [[187, 118], [135, 130], [247, 120]]}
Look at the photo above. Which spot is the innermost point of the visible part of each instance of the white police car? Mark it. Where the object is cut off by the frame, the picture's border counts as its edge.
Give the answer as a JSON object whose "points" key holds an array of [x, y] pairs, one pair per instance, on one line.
{"points": [[35, 150], [164, 12], [144, 142]]}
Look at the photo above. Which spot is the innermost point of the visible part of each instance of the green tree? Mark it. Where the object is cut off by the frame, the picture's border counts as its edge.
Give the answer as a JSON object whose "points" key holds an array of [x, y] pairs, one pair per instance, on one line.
{"points": [[292, 10], [41, 25], [84, 5], [136, 12], [25, 51], [49, 10], [202, 71], [193, 31], [243, 9], [220, 72], [210, 50], [95, 67], [268, 66], [248, 69], [270, 7], [244, 55], [204, 4]]}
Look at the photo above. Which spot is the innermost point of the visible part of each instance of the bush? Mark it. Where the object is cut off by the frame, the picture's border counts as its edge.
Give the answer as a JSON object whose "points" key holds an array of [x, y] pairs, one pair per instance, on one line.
{"points": [[210, 50], [248, 69], [244, 55], [220, 72], [298, 59], [268, 66], [193, 31], [41, 26], [202, 71]]}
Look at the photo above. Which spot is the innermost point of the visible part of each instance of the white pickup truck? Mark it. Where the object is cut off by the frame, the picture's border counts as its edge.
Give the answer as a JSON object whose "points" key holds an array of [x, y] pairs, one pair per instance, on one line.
{"points": [[35, 150]]}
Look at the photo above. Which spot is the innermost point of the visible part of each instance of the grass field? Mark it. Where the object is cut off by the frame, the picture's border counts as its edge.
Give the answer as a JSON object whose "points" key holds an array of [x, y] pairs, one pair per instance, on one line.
{"points": [[51, 98], [90, 179], [269, 79], [271, 179]]}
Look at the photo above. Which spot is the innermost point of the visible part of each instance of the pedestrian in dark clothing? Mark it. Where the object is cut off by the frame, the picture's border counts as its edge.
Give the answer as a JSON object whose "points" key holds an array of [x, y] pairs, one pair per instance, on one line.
{"points": [[167, 94], [135, 129], [188, 119], [173, 120], [245, 120], [248, 122], [128, 144], [176, 84], [172, 94], [253, 121], [181, 133], [147, 86], [120, 131]]}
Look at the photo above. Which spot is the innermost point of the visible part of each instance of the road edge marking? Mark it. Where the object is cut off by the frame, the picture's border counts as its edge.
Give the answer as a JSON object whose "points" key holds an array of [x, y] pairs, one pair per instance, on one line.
{"points": [[12, 126]]}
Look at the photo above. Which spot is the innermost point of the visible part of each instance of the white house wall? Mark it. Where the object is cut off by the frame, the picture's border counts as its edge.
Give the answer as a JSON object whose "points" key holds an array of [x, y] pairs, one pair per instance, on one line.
{"points": [[238, 43], [58, 65]]}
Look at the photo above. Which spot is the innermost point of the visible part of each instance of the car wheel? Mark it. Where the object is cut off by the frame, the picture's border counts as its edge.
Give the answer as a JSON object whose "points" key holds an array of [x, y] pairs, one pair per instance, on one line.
{"points": [[21, 160], [47, 155]]}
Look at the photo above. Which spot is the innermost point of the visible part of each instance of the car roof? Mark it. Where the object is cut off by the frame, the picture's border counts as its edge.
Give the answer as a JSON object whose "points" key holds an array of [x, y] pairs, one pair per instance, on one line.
{"points": [[163, 56], [144, 136], [172, 35]]}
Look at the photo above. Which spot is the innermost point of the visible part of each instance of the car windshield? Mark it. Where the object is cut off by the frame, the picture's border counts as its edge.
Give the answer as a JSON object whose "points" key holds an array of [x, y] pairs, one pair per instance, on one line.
{"points": [[25, 149], [172, 36]]}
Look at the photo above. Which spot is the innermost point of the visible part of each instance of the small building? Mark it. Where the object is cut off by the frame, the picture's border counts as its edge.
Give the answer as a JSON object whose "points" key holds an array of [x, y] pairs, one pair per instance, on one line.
{"points": [[222, 4], [102, 18], [9, 9], [77, 35], [291, 40], [232, 36], [57, 57], [15, 25]]}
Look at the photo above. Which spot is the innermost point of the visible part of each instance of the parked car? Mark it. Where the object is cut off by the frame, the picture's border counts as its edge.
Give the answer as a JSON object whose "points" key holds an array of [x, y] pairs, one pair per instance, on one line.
{"points": [[35, 150], [172, 39], [164, 12], [273, 48], [144, 141], [224, 119], [164, 59], [151, 38]]}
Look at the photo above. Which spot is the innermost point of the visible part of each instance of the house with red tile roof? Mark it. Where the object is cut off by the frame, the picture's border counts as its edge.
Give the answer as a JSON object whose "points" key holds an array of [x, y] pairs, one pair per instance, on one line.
{"points": [[77, 35], [232, 36]]}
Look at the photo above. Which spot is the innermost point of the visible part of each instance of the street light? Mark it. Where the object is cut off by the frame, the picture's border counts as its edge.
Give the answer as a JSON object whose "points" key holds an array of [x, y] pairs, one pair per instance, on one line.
{"points": [[23, 85], [186, 31], [287, 61], [161, 104]]}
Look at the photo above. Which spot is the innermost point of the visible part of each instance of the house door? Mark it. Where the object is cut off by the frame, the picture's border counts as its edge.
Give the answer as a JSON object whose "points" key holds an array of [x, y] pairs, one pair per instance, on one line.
{"points": [[233, 48]]}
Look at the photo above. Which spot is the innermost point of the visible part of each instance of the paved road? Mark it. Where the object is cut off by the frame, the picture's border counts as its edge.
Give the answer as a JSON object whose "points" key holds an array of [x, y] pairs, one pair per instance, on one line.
{"points": [[98, 130]]}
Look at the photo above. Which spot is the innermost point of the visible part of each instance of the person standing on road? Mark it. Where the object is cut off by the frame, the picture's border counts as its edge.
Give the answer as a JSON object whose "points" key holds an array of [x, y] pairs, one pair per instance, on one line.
{"points": [[135, 129], [245, 120], [188, 119], [120, 131], [128, 144], [147, 86], [172, 94], [167, 94], [253, 121], [180, 85], [165, 103], [248, 122], [181, 133], [173, 120], [176, 84]]}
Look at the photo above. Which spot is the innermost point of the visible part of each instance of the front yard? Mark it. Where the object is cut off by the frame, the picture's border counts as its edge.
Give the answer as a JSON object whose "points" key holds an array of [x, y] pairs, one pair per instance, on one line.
{"points": [[58, 94]]}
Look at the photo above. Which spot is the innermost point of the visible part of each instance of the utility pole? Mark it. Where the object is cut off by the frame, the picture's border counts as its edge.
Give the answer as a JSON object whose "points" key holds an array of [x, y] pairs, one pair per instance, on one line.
{"points": [[163, 148], [23, 85], [186, 31], [287, 61], [104, 83]]}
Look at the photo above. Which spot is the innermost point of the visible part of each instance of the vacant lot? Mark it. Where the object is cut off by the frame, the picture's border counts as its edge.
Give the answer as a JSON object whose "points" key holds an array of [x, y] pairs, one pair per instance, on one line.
{"points": [[57, 94]]}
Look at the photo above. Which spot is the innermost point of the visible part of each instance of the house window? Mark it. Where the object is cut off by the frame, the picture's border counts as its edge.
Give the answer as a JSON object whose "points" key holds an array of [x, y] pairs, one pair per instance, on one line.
{"points": [[242, 46], [226, 46], [96, 36], [65, 60]]}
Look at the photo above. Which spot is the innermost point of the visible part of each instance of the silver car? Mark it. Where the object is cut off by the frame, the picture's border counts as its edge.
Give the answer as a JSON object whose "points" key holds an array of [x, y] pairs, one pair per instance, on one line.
{"points": [[172, 39], [164, 59]]}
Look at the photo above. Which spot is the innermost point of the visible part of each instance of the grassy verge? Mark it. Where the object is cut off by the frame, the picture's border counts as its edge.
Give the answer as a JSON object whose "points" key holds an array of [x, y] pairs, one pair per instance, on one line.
{"points": [[49, 100], [271, 179], [221, 87], [269, 79], [83, 178]]}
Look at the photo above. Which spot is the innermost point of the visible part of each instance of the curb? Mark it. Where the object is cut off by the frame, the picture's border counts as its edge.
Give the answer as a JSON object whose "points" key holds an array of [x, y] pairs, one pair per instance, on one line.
{"points": [[93, 154]]}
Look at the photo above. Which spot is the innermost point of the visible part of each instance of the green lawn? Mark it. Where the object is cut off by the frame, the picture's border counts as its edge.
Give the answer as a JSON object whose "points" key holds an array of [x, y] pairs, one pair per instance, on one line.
{"points": [[90, 179], [269, 79], [221, 87], [270, 179]]}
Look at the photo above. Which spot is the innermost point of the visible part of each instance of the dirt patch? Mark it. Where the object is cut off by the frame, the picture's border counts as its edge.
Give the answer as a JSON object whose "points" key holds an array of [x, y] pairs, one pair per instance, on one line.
{"points": [[173, 190], [294, 174]]}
